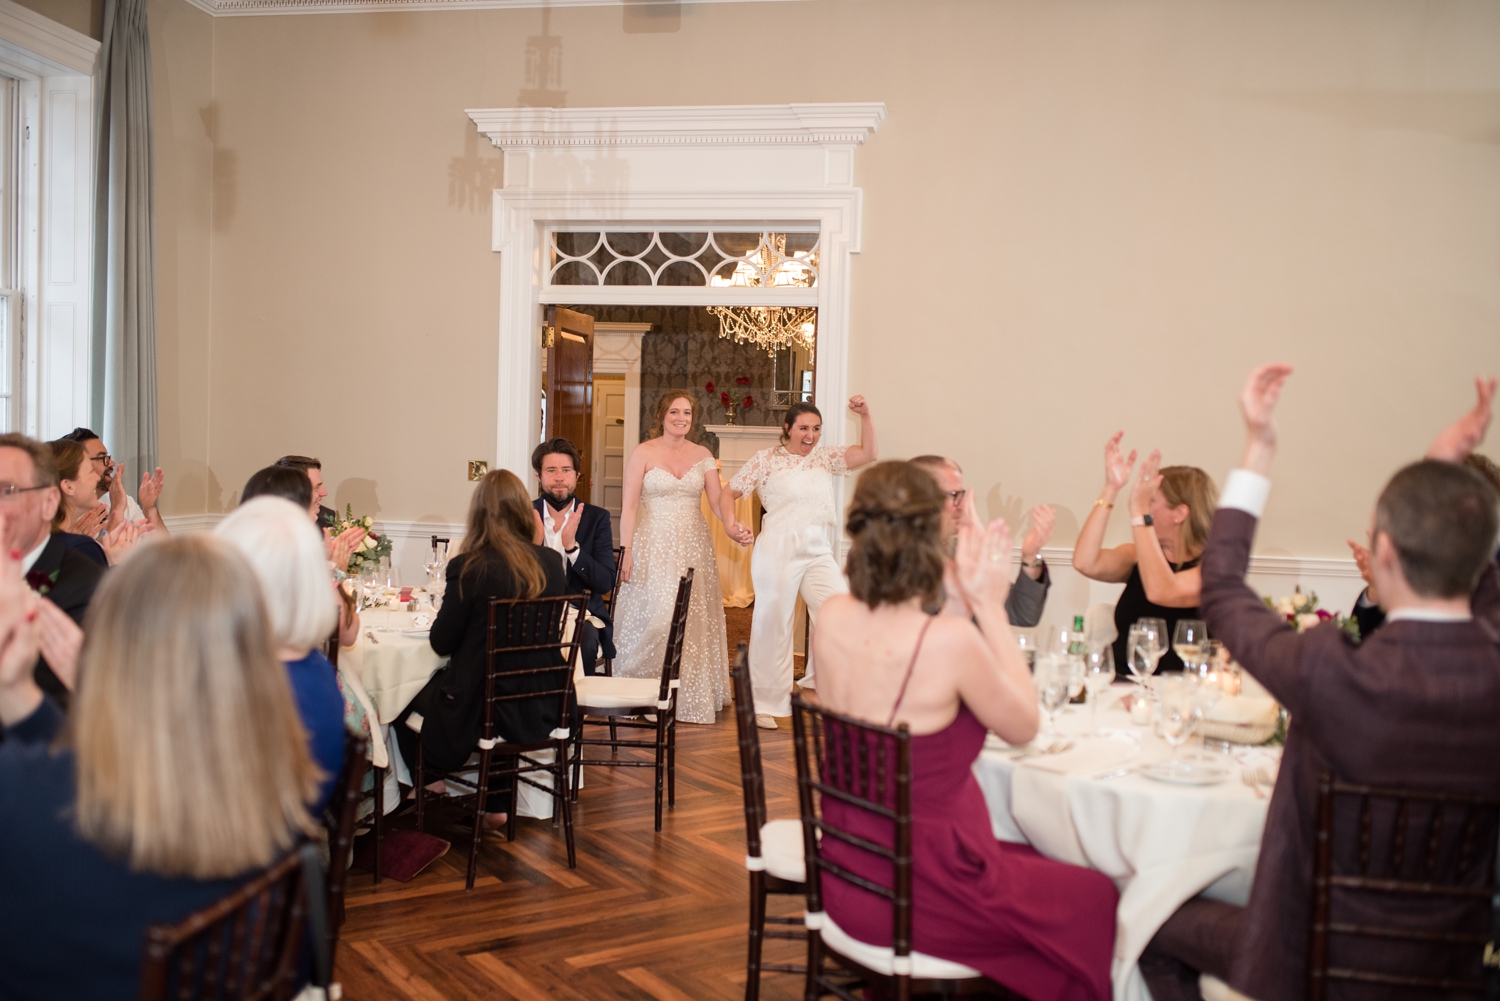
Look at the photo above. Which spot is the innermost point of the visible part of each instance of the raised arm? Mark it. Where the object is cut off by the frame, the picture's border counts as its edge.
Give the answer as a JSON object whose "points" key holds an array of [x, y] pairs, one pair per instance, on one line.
{"points": [[148, 495], [1461, 437], [1089, 556], [1163, 585], [867, 451], [630, 506]]}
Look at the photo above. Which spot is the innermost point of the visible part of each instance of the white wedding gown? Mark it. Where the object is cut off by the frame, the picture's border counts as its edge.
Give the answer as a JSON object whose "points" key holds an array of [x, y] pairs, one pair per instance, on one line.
{"points": [[670, 537]]}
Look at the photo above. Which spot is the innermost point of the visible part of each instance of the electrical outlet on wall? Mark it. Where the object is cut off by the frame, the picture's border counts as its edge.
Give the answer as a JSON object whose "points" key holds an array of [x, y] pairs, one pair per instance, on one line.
{"points": [[477, 469]]}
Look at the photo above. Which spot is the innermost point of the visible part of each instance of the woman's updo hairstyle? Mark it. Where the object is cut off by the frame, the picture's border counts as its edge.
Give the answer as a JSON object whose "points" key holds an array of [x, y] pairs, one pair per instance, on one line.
{"points": [[664, 404], [792, 413], [896, 523]]}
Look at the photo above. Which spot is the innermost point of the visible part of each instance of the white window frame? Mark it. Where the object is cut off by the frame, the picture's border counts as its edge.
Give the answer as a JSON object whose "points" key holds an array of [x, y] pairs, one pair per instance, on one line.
{"points": [[51, 317]]}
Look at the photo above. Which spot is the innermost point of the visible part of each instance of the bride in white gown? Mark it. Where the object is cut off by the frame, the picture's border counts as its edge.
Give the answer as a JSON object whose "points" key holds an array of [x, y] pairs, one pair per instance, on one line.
{"points": [[663, 532]]}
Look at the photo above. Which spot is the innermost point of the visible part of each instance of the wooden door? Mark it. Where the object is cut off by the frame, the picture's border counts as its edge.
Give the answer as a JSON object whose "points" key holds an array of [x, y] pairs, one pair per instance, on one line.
{"points": [[569, 340], [609, 447]]}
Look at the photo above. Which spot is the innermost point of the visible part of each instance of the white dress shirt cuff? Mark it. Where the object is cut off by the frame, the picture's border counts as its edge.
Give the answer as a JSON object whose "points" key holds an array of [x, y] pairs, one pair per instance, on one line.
{"points": [[1245, 491]]}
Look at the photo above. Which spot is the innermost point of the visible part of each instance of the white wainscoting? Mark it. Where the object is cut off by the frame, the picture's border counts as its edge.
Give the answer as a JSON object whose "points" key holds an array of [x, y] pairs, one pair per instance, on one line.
{"points": [[1337, 582]]}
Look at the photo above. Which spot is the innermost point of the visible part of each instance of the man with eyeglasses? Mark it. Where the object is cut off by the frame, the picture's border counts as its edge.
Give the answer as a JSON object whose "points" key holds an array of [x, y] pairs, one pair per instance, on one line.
{"points": [[28, 498], [1028, 595], [112, 486]]}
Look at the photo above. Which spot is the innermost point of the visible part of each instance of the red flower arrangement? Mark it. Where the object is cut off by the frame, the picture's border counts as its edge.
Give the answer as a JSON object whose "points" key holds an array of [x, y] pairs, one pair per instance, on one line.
{"points": [[743, 380], [725, 399], [749, 402], [708, 388]]}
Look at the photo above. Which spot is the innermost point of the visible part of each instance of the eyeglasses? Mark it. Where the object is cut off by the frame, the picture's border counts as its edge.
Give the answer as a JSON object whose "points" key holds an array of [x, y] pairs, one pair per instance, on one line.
{"points": [[101, 457], [10, 490], [956, 497]]}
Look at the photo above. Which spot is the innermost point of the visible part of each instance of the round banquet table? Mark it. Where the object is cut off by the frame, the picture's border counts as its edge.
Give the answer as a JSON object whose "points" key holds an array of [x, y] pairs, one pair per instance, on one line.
{"points": [[1161, 843]]}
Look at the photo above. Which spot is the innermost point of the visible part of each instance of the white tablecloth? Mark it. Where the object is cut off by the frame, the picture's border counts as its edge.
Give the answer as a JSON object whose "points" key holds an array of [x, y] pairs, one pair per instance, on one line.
{"points": [[1162, 844]]}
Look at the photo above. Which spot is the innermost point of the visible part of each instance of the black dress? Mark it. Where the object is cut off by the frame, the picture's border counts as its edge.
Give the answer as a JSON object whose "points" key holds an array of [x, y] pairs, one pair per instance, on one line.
{"points": [[1134, 604], [452, 702]]}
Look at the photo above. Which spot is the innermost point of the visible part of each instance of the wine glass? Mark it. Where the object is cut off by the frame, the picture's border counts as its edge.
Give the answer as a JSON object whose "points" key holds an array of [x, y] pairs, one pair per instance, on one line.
{"points": [[1145, 645], [1026, 642], [1187, 641], [1180, 712], [1051, 691], [1098, 675], [1057, 639]]}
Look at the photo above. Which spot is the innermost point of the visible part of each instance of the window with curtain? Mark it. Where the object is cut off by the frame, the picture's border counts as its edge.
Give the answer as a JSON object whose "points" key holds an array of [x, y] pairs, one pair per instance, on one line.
{"points": [[12, 140]]}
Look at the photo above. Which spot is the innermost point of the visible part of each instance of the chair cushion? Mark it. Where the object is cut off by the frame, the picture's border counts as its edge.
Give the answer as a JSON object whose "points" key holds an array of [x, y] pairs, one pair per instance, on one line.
{"points": [[882, 960], [600, 692], [781, 848]]}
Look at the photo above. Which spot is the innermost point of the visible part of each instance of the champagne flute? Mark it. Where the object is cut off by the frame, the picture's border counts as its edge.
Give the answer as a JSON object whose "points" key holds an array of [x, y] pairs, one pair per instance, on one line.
{"points": [[1180, 712], [1187, 641], [1098, 675]]}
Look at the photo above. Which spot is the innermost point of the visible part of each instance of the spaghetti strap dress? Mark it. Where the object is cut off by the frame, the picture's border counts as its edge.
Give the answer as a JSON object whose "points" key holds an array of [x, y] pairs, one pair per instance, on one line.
{"points": [[1043, 929]]}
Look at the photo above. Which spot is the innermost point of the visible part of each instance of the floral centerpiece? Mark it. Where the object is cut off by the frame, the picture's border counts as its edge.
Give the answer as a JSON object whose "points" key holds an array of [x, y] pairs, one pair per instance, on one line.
{"points": [[1302, 611], [373, 546], [726, 400]]}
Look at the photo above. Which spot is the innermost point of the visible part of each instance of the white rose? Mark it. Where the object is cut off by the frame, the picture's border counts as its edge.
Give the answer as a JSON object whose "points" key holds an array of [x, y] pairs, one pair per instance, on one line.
{"points": [[1284, 607], [1307, 620], [1299, 600], [367, 543]]}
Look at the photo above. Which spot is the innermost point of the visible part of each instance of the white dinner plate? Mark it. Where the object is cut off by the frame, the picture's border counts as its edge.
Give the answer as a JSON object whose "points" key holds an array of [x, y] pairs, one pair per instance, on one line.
{"points": [[1186, 775]]}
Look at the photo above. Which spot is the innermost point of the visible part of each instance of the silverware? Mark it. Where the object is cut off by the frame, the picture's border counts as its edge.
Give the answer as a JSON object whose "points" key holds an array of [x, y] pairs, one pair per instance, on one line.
{"points": [[370, 635], [1264, 777], [1248, 776]]}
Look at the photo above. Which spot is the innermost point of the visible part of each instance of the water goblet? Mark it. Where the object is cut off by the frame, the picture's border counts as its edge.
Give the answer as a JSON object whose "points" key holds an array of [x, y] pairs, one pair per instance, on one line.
{"points": [[1026, 643], [1180, 712], [1051, 692], [1188, 638], [1098, 675]]}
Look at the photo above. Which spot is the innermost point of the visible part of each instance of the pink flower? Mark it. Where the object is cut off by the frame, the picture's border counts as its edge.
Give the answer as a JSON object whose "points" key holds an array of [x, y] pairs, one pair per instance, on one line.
{"points": [[708, 387], [1323, 616]]}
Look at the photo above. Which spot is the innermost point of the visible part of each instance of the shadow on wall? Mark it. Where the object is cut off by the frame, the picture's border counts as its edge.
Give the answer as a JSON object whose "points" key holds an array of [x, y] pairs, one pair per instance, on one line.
{"points": [[360, 495], [193, 486], [543, 55], [645, 17], [473, 177], [225, 173]]}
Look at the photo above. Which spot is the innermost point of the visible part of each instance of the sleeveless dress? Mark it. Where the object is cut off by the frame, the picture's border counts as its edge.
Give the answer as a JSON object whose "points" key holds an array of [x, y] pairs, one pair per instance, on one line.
{"points": [[793, 555], [1043, 929], [1134, 605], [670, 537]]}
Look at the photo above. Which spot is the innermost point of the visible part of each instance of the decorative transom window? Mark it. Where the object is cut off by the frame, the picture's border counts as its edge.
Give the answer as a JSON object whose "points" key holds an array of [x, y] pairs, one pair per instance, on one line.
{"points": [[714, 259]]}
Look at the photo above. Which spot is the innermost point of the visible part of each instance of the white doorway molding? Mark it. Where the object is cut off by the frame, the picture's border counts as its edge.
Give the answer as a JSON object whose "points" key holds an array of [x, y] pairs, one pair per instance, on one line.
{"points": [[741, 166], [617, 351]]}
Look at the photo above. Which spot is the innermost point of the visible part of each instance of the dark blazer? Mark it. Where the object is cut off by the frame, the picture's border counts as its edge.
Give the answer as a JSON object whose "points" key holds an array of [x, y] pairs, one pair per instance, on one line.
{"points": [[452, 703], [72, 580], [593, 566], [74, 921], [1413, 706]]}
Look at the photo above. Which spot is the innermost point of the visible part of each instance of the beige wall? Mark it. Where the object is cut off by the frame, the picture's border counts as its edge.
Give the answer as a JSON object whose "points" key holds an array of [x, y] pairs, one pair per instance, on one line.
{"points": [[1101, 214]]}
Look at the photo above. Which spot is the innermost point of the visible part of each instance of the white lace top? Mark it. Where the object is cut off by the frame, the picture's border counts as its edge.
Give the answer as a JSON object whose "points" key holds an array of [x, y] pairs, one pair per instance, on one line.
{"points": [[795, 489]]}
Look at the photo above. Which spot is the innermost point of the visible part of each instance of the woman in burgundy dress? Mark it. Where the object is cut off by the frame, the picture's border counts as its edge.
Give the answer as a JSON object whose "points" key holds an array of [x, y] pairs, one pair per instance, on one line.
{"points": [[1043, 929]]}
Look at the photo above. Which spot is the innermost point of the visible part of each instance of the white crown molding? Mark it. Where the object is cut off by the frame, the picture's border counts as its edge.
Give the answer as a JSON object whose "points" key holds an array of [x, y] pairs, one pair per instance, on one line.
{"points": [[191, 523], [58, 50], [253, 8], [839, 125], [1280, 566]]}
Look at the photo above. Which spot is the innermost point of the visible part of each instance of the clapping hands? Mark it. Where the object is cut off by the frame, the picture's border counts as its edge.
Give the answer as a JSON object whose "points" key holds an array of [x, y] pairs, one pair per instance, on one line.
{"points": [[1465, 434], [982, 560], [342, 546], [19, 644], [1116, 467]]}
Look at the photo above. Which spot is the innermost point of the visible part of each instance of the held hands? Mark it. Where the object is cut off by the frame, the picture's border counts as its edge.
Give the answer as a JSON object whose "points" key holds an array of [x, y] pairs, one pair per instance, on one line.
{"points": [[1116, 467], [1465, 434], [858, 405], [1258, 406], [982, 561], [1043, 520], [1146, 484], [743, 534]]}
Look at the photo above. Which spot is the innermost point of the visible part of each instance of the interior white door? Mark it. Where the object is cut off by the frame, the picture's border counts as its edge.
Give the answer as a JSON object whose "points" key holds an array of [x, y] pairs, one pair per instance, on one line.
{"points": [[609, 447]]}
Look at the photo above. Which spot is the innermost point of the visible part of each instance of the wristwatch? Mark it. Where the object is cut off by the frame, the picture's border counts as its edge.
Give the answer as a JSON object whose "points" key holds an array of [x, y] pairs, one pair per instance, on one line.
{"points": [[1142, 521], [570, 552], [1033, 564]]}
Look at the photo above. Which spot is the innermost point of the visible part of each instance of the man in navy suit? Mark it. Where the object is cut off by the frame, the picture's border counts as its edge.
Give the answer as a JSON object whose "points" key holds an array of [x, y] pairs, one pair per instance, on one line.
{"points": [[581, 532]]}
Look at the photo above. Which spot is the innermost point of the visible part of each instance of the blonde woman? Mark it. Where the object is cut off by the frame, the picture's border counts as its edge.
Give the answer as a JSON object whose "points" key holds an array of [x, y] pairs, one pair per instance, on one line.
{"points": [[664, 533], [182, 771], [286, 552], [1170, 511]]}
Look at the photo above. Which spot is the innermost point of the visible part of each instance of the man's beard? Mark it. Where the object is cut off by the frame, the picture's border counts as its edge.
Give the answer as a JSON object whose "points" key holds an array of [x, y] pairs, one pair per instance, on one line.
{"points": [[102, 487], [555, 503]]}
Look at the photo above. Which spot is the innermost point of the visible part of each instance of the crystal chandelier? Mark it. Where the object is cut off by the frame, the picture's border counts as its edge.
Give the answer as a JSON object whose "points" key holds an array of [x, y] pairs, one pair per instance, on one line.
{"points": [[770, 327]]}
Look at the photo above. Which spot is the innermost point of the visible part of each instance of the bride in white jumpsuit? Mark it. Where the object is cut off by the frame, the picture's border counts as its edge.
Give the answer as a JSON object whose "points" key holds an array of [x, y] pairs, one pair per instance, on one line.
{"points": [[794, 553]]}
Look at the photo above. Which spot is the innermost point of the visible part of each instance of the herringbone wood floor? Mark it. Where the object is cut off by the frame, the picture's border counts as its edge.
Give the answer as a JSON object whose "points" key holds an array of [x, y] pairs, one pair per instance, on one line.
{"points": [[644, 915]]}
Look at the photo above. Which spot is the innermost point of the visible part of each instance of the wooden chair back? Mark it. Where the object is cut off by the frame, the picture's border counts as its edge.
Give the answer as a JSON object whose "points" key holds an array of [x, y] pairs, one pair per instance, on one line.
{"points": [[245, 946], [531, 625], [331, 645], [1431, 858], [868, 769], [752, 773], [671, 664], [609, 606], [339, 819]]}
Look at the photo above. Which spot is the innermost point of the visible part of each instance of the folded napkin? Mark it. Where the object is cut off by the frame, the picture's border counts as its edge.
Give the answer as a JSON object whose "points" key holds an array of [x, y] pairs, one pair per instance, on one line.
{"points": [[1088, 756], [1243, 710]]}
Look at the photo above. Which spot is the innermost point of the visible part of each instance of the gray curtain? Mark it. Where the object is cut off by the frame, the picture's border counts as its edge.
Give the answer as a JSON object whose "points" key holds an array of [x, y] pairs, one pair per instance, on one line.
{"points": [[123, 384]]}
